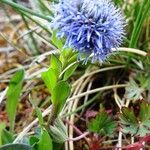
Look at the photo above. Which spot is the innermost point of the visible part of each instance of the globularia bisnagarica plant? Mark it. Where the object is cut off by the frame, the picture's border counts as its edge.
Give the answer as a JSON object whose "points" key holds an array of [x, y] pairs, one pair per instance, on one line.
{"points": [[91, 43]]}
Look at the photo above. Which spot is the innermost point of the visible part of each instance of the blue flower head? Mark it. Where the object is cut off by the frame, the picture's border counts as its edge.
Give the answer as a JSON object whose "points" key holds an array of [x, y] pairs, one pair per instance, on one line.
{"points": [[92, 27]]}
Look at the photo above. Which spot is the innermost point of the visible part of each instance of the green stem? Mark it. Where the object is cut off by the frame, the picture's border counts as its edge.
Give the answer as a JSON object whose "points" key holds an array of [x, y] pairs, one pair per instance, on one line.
{"points": [[22, 8]]}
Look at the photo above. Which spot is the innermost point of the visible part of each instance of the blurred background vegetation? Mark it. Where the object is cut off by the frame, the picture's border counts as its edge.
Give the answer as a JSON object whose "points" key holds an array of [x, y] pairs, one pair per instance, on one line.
{"points": [[25, 42]]}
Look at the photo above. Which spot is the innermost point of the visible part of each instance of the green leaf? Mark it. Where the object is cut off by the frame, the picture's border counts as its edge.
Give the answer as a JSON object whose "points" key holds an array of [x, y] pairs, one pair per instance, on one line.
{"points": [[60, 125], [144, 111], [133, 92], [128, 115], [59, 131], [49, 77], [143, 131], [13, 94], [45, 142], [131, 129], [56, 41], [70, 71], [2, 126], [144, 80], [56, 64], [16, 147], [136, 125], [7, 137], [57, 146], [60, 94], [33, 140], [102, 124], [129, 121]]}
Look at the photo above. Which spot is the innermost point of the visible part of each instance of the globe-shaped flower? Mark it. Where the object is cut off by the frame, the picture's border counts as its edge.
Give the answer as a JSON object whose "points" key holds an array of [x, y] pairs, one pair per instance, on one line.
{"points": [[92, 27]]}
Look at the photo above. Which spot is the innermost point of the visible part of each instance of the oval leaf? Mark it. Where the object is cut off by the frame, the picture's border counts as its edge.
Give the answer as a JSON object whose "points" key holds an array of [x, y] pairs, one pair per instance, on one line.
{"points": [[13, 94], [49, 77], [45, 142], [60, 94], [56, 64]]}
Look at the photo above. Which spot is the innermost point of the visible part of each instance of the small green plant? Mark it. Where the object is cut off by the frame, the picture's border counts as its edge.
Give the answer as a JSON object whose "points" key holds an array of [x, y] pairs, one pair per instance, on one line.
{"points": [[136, 121], [102, 124]]}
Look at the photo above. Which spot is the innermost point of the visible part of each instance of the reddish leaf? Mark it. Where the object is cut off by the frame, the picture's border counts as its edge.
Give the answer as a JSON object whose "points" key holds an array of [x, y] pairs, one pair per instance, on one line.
{"points": [[145, 139], [135, 146]]}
